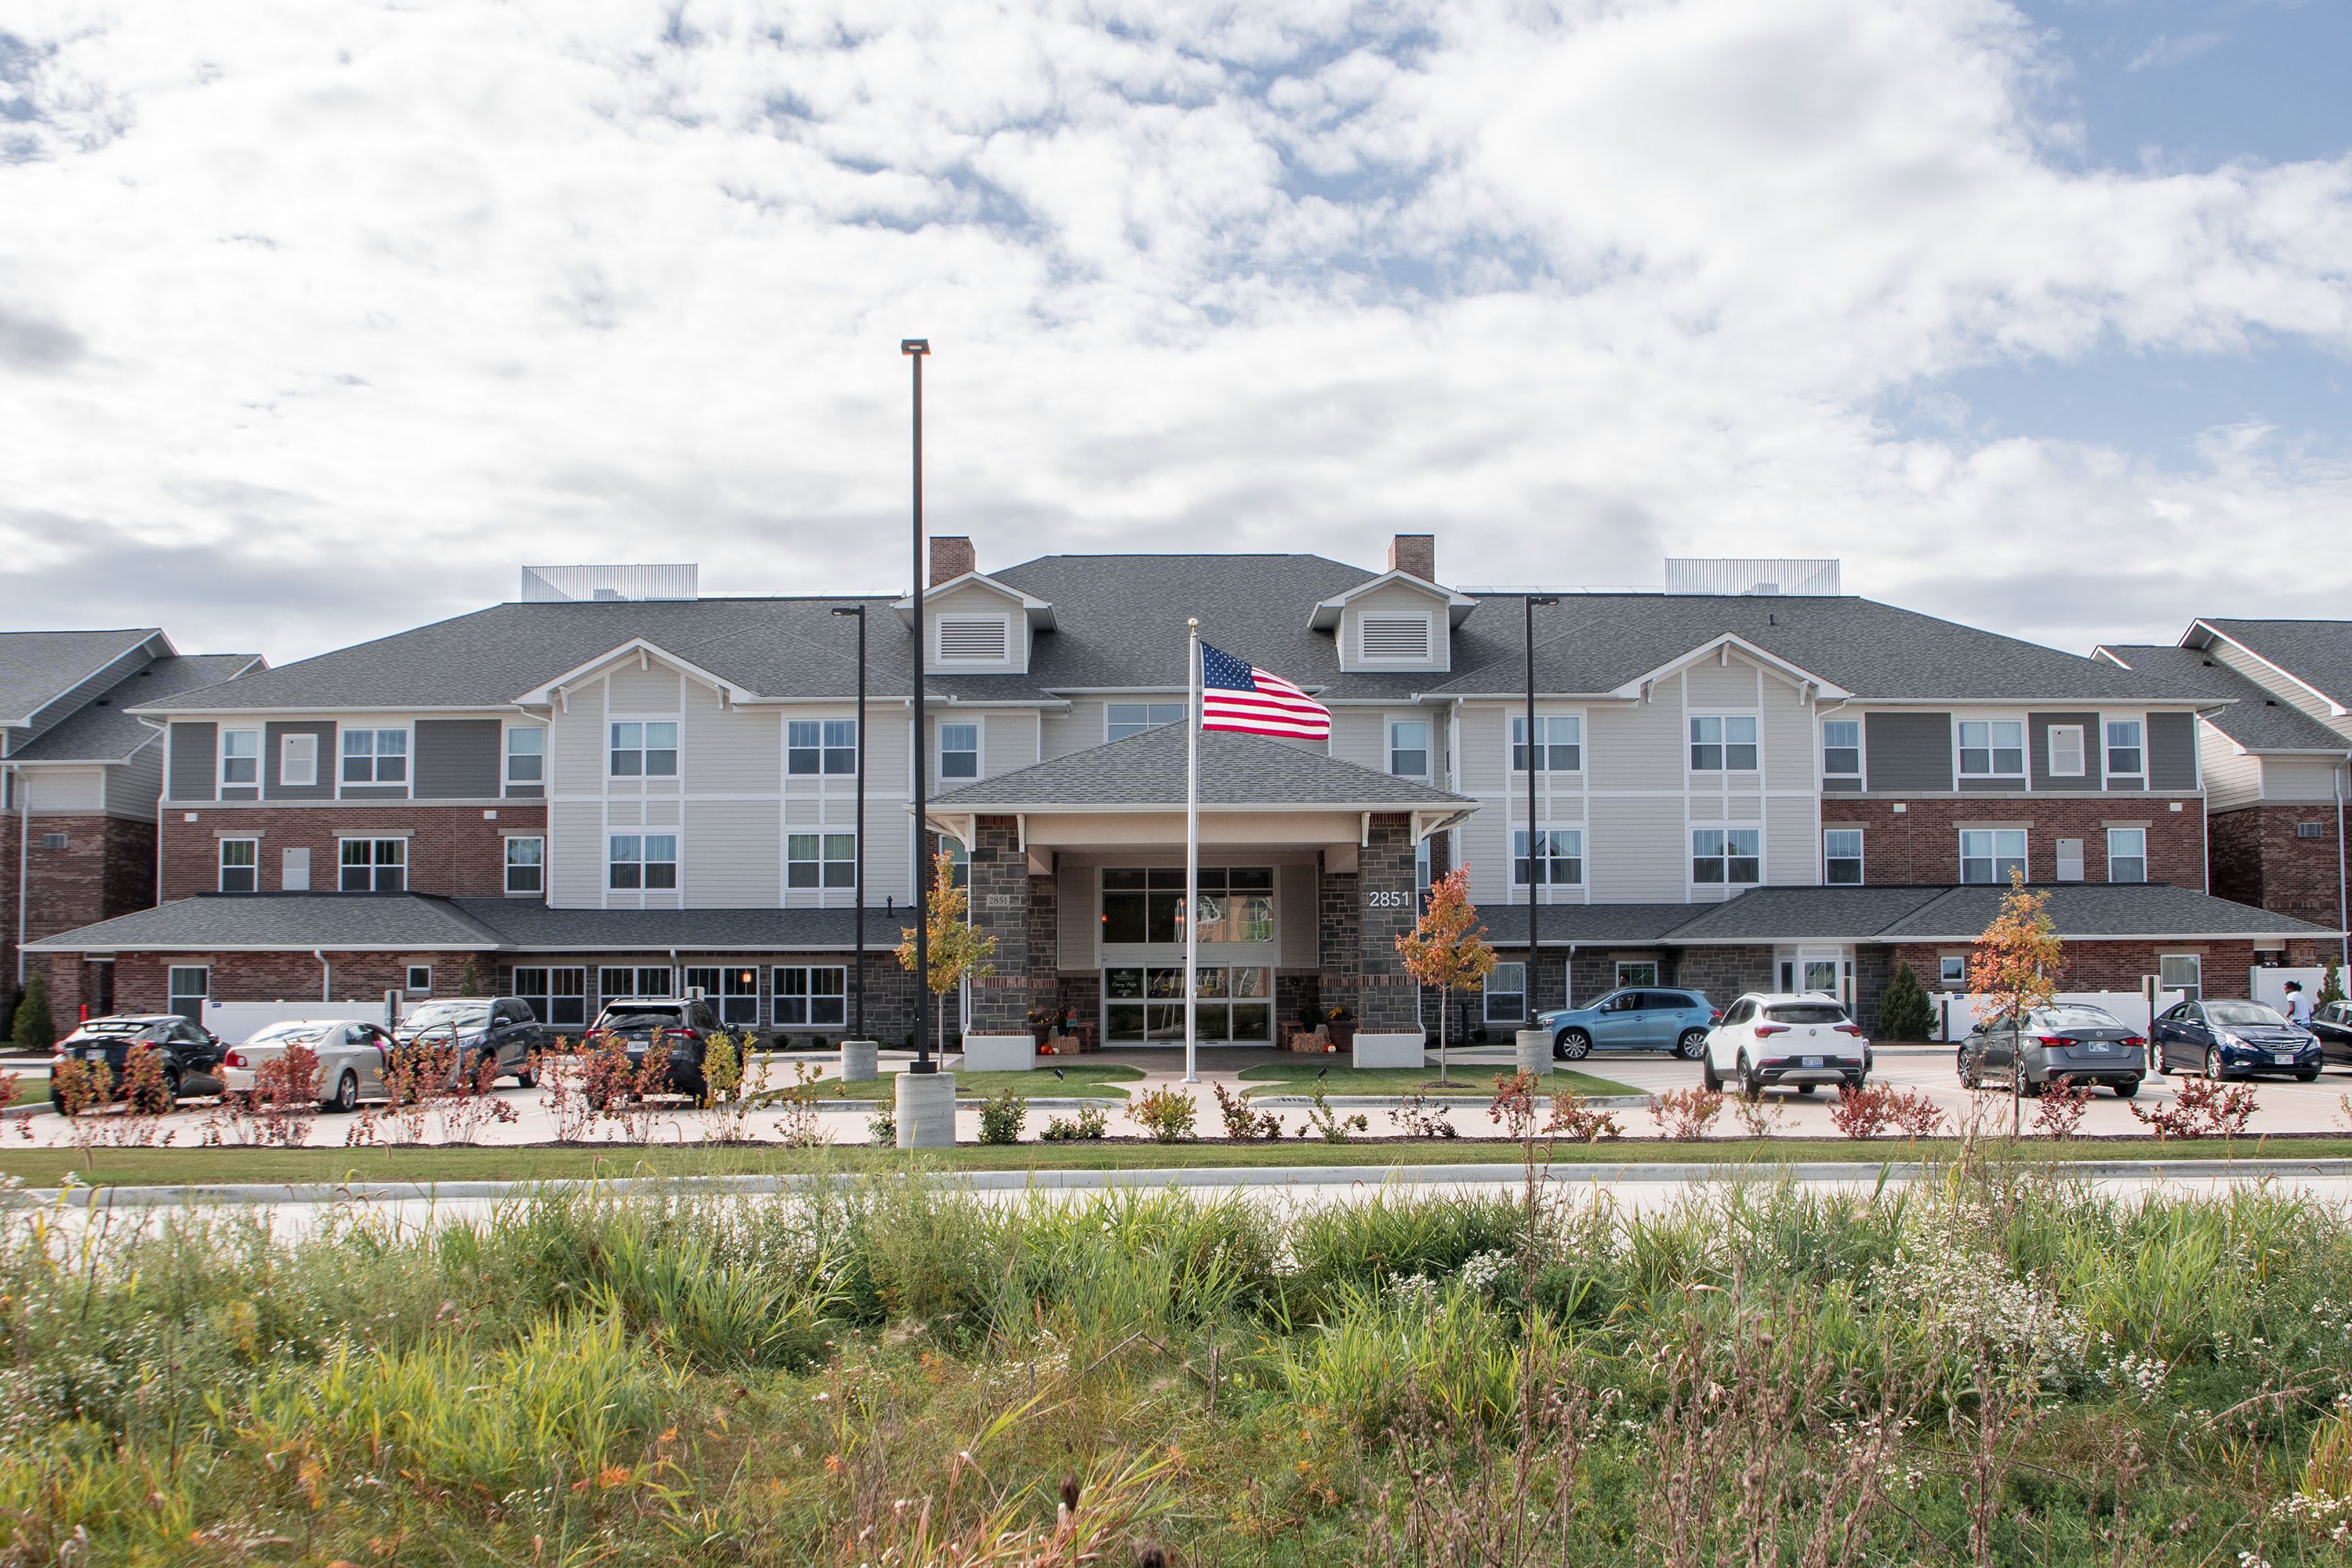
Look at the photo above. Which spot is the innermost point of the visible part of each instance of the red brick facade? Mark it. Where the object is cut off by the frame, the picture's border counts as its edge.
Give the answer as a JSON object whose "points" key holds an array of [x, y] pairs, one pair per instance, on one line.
{"points": [[453, 850], [2094, 965], [2261, 856], [1921, 843], [106, 868]]}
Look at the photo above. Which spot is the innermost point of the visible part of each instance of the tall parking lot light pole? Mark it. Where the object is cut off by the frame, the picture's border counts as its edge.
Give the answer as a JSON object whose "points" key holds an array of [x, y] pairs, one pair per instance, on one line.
{"points": [[858, 917], [1527, 608], [915, 349]]}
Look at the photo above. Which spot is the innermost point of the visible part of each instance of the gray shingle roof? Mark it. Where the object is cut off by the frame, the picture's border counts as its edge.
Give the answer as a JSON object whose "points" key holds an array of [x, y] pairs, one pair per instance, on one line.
{"points": [[2100, 909], [1642, 925], [105, 732], [533, 928], [2317, 653], [407, 922], [2253, 717], [1147, 770], [1826, 914], [37, 667]]}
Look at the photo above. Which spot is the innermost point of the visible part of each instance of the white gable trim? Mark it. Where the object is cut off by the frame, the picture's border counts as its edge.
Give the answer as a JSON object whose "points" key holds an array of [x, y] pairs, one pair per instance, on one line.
{"points": [[2336, 709], [1458, 605], [1039, 613], [1824, 688], [643, 651]]}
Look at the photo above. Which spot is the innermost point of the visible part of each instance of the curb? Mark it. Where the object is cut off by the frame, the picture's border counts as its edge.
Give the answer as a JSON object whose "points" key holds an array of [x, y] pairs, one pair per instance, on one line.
{"points": [[1497, 1175], [1435, 1101]]}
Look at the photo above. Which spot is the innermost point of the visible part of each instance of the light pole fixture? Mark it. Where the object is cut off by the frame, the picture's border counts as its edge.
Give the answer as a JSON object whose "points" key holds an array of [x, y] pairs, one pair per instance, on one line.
{"points": [[916, 350], [858, 917], [1527, 608]]}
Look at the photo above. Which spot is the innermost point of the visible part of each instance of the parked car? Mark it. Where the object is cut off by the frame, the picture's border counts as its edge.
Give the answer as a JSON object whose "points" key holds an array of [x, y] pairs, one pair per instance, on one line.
{"points": [[1634, 1018], [500, 1028], [351, 1058], [681, 1029], [1768, 1038], [2229, 1037], [2333, 1024], [190, 1055], [2074, 1041]]}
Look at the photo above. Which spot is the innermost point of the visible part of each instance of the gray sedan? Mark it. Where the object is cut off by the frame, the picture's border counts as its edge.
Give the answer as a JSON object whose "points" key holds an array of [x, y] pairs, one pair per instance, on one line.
{"points": [[351, 1058]]}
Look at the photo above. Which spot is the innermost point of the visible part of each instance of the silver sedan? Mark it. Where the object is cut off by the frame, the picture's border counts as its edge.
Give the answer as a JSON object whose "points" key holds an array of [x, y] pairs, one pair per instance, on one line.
{"points": [[351, 1058]]}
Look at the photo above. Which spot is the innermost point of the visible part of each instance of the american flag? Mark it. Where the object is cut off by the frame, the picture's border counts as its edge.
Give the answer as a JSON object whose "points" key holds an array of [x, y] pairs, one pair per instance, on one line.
{"points": [[1237, 696]]}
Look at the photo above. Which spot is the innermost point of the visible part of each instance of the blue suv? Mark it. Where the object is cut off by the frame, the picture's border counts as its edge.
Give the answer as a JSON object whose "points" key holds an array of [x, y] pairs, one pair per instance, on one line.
{"points": [[1633, 1018]]}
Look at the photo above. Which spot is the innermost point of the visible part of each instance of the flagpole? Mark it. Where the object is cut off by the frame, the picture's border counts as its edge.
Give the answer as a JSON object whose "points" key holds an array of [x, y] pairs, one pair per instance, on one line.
{"points": [[1192, 848]]}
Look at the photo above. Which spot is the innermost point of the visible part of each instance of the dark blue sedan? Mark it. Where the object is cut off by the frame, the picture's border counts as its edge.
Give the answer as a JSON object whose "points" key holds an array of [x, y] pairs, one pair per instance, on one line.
{"points": [[2233, 1038]]}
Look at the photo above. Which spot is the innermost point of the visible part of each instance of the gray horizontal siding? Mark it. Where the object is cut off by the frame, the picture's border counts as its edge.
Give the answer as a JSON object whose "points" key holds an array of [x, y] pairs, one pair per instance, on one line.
{"points": [[2037, 740], [195, 761], [2172, 750], [1907, 750], [456, 759], [273, 750]]}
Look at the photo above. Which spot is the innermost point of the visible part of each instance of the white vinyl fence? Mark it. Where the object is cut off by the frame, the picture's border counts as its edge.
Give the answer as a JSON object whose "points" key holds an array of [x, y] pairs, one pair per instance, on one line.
{"points": [[237, 1022]]}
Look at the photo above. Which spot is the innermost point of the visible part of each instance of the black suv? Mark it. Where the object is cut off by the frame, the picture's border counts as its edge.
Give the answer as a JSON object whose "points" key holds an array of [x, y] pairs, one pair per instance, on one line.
{"points": [[499, 1029], [190, 1057], [681, 1029]]}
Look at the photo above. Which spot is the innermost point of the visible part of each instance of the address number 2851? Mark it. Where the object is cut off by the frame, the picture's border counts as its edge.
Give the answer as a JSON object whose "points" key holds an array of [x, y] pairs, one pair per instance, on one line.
{"points": [[1386, 899]]}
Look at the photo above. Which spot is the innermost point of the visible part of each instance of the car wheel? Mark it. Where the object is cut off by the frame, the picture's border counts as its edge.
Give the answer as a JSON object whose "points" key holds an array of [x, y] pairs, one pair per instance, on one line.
{"points": [[2127, 1089], [523, 1078], [2306, 1075], [1967, 1065], [1693, 1042], [347, 1094], [2213, 1068], [1709, 1080], [1573, 1045], [2027, 1088], [171, 1087], [1807, 1087], [1750, 1086]]}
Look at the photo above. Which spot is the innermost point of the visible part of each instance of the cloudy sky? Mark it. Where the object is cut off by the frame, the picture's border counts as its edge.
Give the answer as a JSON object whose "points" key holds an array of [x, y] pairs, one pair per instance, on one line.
{"points": [[316, 318]]}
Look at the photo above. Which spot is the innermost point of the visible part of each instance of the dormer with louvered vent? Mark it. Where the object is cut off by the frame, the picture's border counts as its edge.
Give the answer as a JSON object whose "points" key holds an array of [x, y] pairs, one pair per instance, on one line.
{"points": [[1395, 621], [979, 625]]}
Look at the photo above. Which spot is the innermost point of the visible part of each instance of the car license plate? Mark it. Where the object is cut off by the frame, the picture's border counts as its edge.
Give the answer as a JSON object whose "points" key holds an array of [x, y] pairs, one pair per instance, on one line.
{"points": [[2097, 1046], [2283, 1058], [1813, 1061]]}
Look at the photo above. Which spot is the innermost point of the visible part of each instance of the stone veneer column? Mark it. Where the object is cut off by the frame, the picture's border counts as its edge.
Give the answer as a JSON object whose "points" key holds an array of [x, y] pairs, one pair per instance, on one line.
{"points": [[1336, 925], [1388, 1001], [1001, 909]]}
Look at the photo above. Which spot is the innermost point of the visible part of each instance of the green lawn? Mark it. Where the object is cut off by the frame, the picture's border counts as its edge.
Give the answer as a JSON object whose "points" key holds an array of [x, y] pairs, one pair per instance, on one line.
{"points": [[164, 1167], [31, 1089], [1473, 1081]]}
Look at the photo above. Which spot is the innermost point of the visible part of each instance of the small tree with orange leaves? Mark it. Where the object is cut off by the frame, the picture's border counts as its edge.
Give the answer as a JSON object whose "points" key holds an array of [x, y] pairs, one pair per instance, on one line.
{"points": [[1447, 947], [2015, 963], [953, 948]]}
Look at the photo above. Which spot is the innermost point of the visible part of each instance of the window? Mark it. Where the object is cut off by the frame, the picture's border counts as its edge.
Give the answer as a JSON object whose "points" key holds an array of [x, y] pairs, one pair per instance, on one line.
{"points": [[1422, 874], [820, 861], [1507, 994], [1393, 637], [2182, 972], [2067, 759], [558, 997], [1842, 748], [240, 865], [1841, 857], [644, 860], [734, 992], [815, 994], [526, 865], [959, 750], [1562, 852], [240, 756], [526, 755], [1230, 1002], [2126, 853], [1726, 745], [1991, 854], [974, 639], [611, 981], [2310, 830], [1121, 719], [1993, 748], [1728, 856], [645, 749], [375, 756], [821, 746], [1643, 972], [374, 866], [188, 988], [1952, 970], [298, 761], [1409, 748], [1148, 905], [2124, 750], [959, 863], [53, 840], [420, 979], [1560, 744]]}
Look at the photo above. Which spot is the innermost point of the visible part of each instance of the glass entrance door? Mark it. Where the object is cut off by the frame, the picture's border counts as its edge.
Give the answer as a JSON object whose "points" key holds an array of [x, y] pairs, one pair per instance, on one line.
{"points": [[1145, 1004], [1829, 971]]}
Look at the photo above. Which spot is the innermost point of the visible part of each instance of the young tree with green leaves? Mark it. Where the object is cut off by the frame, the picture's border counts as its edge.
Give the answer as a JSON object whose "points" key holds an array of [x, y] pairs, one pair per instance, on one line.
{"points": [[1447, 947], [2015, 963], [956, 949], [1904, 1013], [2331, 985], [36, 1031]]}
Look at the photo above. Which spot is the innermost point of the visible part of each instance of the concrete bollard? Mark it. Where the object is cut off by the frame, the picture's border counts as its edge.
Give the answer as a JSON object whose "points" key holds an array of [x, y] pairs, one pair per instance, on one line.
{"points": [[926, 1110], [857, 1060], [1534, 1051]]}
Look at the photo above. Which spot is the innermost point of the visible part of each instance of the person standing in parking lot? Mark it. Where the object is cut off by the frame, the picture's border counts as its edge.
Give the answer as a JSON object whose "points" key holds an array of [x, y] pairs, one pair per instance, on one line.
{"points": [[2298, 1005]]}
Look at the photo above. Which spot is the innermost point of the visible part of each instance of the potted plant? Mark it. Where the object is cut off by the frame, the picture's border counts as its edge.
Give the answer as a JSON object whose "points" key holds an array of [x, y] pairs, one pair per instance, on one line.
{"points": [[1042, 1020], [1341, 1024]]}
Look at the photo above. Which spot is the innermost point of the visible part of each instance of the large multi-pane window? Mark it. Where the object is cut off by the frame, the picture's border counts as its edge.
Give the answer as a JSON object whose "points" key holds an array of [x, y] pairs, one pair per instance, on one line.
{"points": [[1727, 857], [526, 865], [1409, 748], [959, 750], [619, 980], [526, 754], [1991, 853], [733, 992], [375, 756], [1560, 744], [240, 756], [821, 746], [558, 997], [1560, 856], [1231, 1001], [1148, 905], [646, 748], [819, 860], [1841, 857], [240, 865], [1121, 719], [374, 866], [2125, 754], [1723, 743], [2126, 853], [642, 860], [1507, 994], [1842, 748], [815, 995], [1992, 748]]}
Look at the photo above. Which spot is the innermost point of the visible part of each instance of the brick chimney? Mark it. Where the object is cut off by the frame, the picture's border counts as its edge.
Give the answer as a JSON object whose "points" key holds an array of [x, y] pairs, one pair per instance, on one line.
{"points": [[1412, 553], [951, 557]]}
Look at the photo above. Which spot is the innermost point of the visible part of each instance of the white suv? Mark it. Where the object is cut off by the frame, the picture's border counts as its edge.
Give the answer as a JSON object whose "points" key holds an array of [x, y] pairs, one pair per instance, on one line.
{"points": [[1774, 1038]]}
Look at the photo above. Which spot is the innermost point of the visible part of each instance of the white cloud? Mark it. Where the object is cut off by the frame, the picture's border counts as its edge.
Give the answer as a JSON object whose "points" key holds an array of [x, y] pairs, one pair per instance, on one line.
{"points": [[343, 312]]}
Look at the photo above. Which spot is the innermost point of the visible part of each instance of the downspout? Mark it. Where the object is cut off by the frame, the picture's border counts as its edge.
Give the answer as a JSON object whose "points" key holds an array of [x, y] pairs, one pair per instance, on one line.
{"points": [[24, 862], [326, 975], [2343, 938]]}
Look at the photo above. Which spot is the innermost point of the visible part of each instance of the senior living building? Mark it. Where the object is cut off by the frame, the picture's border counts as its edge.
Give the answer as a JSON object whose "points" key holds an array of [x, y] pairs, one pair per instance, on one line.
{"points": [[1750, 780]]}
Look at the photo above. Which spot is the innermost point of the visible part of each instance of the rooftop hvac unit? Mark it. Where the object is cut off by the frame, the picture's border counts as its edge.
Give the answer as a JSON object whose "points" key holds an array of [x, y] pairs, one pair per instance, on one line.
{"points": [[1733, 577], [564, 585]]}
